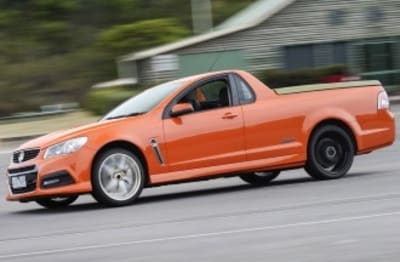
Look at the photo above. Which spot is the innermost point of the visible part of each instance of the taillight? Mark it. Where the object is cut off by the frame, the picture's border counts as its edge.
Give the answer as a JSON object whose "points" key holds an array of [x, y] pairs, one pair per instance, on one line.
{"points": [[383, 100]]}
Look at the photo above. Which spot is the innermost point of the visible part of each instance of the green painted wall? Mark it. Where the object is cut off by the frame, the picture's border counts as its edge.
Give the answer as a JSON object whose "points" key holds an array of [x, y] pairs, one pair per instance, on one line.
{"points": [[191, 64]]}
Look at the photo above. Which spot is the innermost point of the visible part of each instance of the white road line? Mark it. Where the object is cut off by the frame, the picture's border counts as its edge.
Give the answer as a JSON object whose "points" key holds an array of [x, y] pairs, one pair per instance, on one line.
{"points": [[103, 227], [196, 236]]}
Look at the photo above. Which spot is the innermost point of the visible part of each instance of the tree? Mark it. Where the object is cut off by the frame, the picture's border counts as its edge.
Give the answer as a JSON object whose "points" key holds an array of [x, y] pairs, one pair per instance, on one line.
{"points": [[52, 51], [122, 39]]}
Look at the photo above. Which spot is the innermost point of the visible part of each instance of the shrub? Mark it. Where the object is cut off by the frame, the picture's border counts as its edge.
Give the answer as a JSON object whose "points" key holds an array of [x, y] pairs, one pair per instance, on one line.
{"points": [[101, 101], [277, 78]]}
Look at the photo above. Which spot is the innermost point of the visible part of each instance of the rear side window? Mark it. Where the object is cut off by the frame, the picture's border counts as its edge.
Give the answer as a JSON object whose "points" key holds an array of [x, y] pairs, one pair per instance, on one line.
{"points": [[246, 95]]}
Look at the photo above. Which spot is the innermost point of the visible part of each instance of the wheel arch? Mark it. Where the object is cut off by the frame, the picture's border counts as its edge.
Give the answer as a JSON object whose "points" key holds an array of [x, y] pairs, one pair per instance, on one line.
{"points": [[335, 122], [131, 147]]}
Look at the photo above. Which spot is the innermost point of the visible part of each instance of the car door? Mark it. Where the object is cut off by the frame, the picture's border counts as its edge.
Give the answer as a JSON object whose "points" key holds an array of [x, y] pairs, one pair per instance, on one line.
{"points": [[212, 134], [272, 130]]}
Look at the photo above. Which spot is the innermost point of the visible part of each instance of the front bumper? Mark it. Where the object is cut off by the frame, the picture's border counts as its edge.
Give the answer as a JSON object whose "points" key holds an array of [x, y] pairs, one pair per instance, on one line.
{"points": [[54, 177]]}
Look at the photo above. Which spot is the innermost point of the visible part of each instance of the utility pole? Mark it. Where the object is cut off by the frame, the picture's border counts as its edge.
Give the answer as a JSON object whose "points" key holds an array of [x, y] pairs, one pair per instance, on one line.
{"points": [[201, 16]]}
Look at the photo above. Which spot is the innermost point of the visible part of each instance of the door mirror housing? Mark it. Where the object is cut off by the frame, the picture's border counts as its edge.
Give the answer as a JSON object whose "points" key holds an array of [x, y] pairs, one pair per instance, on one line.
{"points": [[181, 109]]}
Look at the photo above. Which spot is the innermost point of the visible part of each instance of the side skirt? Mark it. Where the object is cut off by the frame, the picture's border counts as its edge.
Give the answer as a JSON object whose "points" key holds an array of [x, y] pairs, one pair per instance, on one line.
{"points": [[276, 163]]}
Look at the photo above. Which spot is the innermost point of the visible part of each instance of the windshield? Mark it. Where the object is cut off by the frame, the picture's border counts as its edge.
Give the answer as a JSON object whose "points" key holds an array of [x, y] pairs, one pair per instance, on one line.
{"points": [[143, 102]]}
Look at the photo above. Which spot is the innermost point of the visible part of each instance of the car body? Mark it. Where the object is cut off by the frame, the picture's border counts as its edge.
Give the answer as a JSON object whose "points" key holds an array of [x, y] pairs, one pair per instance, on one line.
{"points": [[206, 126]]}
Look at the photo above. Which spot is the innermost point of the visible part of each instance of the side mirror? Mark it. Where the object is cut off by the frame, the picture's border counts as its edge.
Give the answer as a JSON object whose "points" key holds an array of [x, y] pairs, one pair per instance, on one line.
{"points": [[181, 109]]}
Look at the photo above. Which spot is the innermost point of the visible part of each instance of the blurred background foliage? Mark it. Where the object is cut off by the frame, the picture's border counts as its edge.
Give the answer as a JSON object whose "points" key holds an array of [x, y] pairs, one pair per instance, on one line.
{"points": [[53, 51], [277, 78], [101, 101]]}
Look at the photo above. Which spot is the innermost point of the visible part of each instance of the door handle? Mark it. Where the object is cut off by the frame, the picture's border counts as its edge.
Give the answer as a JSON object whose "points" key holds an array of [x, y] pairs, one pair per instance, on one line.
{"points": [[229, 116]]}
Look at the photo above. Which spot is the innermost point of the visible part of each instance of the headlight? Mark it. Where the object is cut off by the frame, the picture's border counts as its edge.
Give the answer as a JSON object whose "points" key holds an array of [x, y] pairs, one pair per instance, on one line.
{"points": [[66, 147]]}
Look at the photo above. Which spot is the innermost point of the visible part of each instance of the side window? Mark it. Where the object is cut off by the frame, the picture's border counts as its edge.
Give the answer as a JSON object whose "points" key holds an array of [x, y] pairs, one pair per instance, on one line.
{"points": [[211, 89], [246, 95], [211, 95]]}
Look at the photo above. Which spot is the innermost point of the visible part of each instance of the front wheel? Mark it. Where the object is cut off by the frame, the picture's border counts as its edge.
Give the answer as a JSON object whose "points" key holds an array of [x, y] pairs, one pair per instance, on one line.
{"points": [[260, 178], [118, 177], [330, 153], [56, 202]]}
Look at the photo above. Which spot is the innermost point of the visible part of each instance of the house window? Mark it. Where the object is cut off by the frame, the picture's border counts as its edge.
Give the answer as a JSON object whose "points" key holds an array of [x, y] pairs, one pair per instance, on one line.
{"points": [[379, 62], [315, 55], [378, 57], [337, 17], [340, 53], [300, 56], [375, 14]]}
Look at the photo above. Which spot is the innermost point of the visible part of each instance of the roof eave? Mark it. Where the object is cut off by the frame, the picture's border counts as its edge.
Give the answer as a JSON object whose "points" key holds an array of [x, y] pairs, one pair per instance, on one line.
{"points": [[179, 44], [203, 37]]}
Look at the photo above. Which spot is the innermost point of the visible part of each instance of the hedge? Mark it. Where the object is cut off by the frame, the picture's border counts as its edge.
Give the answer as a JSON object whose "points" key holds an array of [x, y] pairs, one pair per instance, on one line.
{"points": [[101, 101], [277, 78]]}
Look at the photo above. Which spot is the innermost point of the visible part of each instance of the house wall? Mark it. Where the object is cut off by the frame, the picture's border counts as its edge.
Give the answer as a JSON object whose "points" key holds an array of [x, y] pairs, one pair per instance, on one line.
{"points": [[306, 22], [397, 53]]}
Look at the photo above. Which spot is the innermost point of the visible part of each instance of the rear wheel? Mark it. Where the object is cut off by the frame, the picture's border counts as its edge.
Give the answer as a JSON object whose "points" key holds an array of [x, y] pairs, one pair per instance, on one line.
{"points": [[56, 202], [330, 153], [118, 177], [260, 178]]}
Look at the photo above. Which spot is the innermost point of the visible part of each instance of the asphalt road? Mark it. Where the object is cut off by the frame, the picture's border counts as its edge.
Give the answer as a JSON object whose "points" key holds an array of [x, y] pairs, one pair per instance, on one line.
{"points": [[356, 218]]}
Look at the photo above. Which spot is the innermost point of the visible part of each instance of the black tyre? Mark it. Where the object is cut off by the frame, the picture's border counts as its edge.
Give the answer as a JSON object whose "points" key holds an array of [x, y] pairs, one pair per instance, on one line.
{"points": [[330, 153], [260, 178], [56, 202], [118, 177]]}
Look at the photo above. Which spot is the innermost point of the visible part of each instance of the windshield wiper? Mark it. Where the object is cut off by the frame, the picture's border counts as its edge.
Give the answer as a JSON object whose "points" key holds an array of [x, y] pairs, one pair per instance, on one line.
{"points": [[123, 116]]}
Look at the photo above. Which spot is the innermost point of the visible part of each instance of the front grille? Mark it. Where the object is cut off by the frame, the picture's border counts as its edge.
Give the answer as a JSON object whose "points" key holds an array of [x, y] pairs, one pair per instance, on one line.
{"points": [[25, 155], [30, 173]]}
